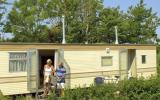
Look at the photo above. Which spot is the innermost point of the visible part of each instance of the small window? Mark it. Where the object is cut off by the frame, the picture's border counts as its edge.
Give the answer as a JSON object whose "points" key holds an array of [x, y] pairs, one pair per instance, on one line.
{"points": [[106, 61], [143, 59], [17, 62]]}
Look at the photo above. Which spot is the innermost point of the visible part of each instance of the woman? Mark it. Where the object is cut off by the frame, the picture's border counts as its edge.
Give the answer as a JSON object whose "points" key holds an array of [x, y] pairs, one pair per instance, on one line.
{"points": [[48, 71]]}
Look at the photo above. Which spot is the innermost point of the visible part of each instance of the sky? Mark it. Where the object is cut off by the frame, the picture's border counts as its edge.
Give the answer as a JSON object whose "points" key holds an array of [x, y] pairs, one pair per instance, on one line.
{"points": [[123, 4]]}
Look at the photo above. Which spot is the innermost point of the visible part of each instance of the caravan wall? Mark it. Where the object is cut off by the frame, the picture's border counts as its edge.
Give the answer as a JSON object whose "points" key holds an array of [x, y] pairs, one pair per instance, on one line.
{"points": [[83, 64]]}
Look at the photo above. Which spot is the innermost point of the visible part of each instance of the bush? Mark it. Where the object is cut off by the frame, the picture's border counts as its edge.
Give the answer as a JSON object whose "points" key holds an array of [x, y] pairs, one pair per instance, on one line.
{"points": [[155, 96], [3, 97], [20, 97], [135, 89], [52, 96]]}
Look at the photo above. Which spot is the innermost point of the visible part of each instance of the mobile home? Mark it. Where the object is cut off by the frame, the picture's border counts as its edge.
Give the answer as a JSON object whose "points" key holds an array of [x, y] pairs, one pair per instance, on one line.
{"points": [[21, 64]]}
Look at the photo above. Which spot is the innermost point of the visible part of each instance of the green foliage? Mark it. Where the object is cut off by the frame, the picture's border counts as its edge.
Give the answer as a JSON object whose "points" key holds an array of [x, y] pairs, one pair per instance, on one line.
{"points": [[93, 92], [52, 96], [3, 97], [135, 89], [108, 19], [142, 23], [140, 89], [20, 98], [85, 21], [24, 21], [2, 12]]}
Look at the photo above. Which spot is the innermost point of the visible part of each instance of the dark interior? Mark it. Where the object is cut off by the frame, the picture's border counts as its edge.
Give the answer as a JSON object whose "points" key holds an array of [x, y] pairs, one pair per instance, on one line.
{"points": [[43, 56]]}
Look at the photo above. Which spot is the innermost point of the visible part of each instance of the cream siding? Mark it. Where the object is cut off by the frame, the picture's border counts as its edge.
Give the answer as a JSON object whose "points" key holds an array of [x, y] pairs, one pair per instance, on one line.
{"points": [[14, 88], [150, 63], [4, 65], [11, 85], [150, 58], [82, 82], [89, 61], [81, 60]]}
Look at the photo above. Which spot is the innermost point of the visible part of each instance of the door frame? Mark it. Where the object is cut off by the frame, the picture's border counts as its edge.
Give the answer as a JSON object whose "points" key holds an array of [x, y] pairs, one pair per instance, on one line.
{"points": [[56, 60], [132, 62], [29, 69], [123, 70]]}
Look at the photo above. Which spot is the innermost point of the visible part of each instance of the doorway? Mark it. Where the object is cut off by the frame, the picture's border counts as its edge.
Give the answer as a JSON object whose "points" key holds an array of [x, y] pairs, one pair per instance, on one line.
{"points": [[43, 56], [132, 70]]}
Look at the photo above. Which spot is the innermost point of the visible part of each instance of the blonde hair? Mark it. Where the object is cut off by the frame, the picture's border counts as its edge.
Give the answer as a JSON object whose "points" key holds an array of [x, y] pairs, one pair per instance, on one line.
{"points": [[49, 61]]}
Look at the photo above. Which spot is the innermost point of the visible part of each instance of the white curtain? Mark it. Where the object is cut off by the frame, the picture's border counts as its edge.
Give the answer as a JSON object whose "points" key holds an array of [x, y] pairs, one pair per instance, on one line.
{"points": [[17, 62]]}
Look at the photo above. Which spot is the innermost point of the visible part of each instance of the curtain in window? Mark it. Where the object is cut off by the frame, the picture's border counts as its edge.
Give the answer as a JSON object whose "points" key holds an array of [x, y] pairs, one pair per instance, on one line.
{"points": [[18, 62]]}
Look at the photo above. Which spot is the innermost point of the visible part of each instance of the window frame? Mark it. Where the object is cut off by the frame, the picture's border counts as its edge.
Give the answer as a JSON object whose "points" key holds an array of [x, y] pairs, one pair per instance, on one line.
{"points": [[143, 60], [11, 70], [111, 57]]}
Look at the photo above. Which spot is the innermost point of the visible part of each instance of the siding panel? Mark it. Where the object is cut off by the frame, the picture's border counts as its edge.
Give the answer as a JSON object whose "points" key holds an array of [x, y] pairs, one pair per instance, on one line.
{"points": [[90, 61], [14, 88]]}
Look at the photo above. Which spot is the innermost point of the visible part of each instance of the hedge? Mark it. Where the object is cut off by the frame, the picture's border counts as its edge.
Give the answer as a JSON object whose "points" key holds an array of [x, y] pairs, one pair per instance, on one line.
{"points": [[135, 89]]}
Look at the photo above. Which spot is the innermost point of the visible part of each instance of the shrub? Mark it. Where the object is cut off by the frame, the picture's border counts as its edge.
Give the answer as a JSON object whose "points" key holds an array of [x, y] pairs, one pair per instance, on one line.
{"points": [[20, 97], [135, 89], [145, 96], [3, 97], [52, 96], [155, 96]]}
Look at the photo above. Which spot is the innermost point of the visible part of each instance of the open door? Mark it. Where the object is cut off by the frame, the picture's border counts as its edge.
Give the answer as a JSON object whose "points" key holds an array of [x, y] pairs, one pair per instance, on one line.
{"points": [[32, 70], [59, 54], [123, 63], [132, 68]]}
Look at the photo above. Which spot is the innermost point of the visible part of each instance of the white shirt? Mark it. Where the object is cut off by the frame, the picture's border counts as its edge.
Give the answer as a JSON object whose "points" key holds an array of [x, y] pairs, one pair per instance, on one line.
{"points": [[47, 71]]}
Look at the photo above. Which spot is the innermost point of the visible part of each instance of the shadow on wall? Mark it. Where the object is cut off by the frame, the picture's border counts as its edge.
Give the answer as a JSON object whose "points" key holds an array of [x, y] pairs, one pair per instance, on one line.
{"points": [[68, 75]]}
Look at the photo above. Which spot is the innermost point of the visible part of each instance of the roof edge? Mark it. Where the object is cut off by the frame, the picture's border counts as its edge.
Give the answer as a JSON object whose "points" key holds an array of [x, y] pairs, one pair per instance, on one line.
{"points": [[78, 44]]}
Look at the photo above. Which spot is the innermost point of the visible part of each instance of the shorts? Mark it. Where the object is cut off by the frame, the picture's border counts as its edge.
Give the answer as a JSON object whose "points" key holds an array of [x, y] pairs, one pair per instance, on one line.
{"points": [[62, 80], [60, 85]]}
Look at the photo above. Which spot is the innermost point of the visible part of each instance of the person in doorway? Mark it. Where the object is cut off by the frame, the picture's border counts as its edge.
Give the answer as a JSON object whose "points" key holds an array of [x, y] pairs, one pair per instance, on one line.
{"points": [[48, 71], [60, 72]]}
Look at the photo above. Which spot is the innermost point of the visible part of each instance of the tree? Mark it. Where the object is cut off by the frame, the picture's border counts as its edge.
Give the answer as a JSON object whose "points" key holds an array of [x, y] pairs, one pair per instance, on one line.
{"points": [[85, 21], [89, 14], [108, 19], [80, 18], [21, 21], [2, 12], [141, 23], [29, 20], [26, 21]]}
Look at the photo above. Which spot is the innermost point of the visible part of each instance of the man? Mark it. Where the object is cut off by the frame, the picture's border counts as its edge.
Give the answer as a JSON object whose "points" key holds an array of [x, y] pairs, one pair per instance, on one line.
{"points": [[60, 72]]}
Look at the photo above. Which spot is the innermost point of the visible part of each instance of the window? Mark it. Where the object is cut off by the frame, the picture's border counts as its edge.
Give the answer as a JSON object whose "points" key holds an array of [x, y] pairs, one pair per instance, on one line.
{"points": [[143, 59], [17, 62], [106, 61]]}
